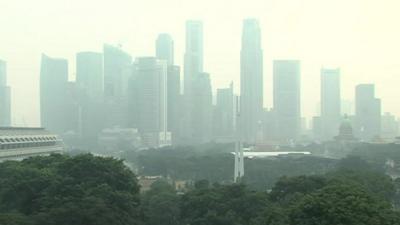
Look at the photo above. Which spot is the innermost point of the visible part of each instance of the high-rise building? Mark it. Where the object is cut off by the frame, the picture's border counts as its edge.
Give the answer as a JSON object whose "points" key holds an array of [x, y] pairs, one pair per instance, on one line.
{"points": [[197, 89], [89, 73], [165, 51], [151, 95], [251, 80], [5, 97], [330, 103], [389, 127], [117, 72], [368, 113], [53, 94], [165, 48], [174, 102], [90, 83], [224, 114], [286, 76], [202, 109], [193, 59]]}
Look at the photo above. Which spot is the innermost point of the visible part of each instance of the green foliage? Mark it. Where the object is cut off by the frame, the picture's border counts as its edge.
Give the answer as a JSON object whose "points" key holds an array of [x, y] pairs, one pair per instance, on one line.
{"points": [[342, 204], [70, 190]]}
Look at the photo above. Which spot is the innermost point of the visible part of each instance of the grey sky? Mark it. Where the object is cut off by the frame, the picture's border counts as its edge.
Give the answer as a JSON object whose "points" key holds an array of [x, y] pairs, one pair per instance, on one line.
{"points": [[360, 36]]}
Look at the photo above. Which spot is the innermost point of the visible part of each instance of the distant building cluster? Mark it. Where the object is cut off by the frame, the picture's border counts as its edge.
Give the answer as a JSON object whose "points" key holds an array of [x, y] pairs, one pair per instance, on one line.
{"points": [[146, 98]]}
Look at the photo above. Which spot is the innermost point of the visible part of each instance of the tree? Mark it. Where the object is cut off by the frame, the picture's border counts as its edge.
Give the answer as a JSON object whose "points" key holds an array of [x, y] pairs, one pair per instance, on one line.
{"points": [[342, 204], [81, 190]]}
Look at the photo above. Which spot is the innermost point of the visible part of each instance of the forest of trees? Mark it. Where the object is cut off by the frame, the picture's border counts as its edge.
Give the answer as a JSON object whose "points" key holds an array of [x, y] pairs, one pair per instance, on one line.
{"points": [[214, 162], [89, 190]]}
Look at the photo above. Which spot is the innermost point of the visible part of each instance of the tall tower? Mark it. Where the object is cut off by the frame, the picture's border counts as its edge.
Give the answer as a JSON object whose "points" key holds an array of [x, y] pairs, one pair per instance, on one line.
{"points": [[53, 94], [89, 73], [330, 103], [165, 48], [5, 96], [197, 88], [117, 72], [224, 113], [193, 54], [165, 51], [251, 80], [90, 82], [368, 113], [286, 76], [152, 101]]}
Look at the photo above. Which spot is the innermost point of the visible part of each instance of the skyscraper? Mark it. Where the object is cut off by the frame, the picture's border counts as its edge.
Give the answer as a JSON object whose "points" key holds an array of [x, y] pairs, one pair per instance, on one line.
{"points": [[202, 109], [152, 122], [5, 96], [197, 88], [90, 82], [368, 113], [193, 59], [89, 73], [224, 114], [174, 102], [251, 80], [330, 103], [117, 72], [53, 94], [165, 48], [286, 76], [165, 51]]}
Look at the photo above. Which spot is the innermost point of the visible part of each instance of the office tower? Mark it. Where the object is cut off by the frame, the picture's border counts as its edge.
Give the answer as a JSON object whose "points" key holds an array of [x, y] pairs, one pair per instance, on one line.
{"points": [[165, 48], [251, 80], [89, 73], [193, 59], [202, 109], [165, 51], [197, 89], [5, 97], [90, 82], [389, 127], [330, 103], [286, 76], [117, 72], [174, 102], [224, 114], [368, 113], [152, 121], [53, 94]]}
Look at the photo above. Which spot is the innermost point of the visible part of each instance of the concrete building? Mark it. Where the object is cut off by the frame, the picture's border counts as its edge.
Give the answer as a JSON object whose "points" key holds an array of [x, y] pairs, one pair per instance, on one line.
{"points": [[89, 73], [18, 143], [389, 127], [202, 109], [368, 113], [165, 51], [330, 103], [165, 48], [286, 79], [224, 114], [174, 103], [196, 126], [117, 72], [90, 81], [151, 97], [251, 80], [5, 96], [53, 94]]}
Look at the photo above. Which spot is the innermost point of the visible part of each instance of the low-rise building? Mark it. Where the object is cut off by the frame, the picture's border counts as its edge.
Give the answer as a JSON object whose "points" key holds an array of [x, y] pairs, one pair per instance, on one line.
{"points": [[21, 142]]}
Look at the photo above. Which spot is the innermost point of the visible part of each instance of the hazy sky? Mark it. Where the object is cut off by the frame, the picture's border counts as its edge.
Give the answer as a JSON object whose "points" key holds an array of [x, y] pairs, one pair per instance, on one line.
{"points": [[360, 36]]}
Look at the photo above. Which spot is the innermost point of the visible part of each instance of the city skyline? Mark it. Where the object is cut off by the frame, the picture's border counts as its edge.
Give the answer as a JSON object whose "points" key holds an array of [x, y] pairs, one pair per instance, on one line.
{"points": [[283, 38]]}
